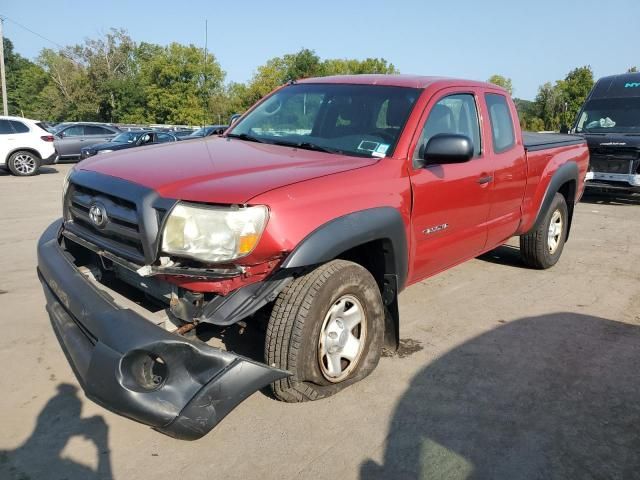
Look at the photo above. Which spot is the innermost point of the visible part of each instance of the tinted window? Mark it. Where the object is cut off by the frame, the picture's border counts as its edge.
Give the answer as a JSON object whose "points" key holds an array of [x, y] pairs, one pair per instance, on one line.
{"points": [[164, 138], [501, 122], [75, 131], [94, 130], [5, 127], [19, 127], [455, 114]]}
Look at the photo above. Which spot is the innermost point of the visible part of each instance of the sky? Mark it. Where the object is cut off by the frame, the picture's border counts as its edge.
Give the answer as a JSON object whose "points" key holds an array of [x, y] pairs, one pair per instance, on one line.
{"points": [[530, 42]]}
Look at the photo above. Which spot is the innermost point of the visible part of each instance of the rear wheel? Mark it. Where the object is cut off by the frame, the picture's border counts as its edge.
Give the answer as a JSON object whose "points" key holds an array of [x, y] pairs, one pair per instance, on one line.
{"points": [[23, 164], [327, 329], [541, 248]]}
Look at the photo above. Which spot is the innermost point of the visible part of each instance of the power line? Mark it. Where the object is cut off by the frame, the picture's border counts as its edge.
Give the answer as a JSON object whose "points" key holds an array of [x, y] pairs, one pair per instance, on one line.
{"points": [[32, 31]]}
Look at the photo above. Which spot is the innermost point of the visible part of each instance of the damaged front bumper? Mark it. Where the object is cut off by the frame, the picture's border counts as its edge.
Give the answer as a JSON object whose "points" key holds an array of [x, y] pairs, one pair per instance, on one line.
{"points": [[127, 364]]}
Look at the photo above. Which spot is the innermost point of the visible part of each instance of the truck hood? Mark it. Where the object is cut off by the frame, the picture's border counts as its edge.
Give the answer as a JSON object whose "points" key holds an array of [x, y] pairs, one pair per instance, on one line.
{"points": [[608, 141], [219, 170]]}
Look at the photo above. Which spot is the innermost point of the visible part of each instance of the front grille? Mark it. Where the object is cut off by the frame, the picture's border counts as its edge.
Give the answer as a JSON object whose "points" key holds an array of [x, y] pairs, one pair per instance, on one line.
{"points": [[613, 160], [134, 215], [610, 165], [121, 230]]}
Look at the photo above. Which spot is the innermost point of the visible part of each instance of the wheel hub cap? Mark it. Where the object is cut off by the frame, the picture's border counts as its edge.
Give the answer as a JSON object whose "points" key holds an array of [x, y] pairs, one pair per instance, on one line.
{"points": [[24, 164], [555, 232], [342, 338]]}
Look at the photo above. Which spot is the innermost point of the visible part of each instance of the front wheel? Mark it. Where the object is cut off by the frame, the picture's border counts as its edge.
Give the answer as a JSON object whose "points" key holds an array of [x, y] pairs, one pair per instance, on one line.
{"points": [[541, 248], [327, 329], [23, 164]]}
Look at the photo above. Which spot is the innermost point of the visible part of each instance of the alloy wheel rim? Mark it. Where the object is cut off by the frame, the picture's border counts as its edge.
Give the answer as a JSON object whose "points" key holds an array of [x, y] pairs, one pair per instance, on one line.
{"points": [[24, 164], [342, 338], [555, 232]]}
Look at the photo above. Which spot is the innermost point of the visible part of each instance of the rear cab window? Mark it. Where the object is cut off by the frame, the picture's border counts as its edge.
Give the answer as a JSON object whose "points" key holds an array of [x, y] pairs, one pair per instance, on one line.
{"points": [[502, 132]]}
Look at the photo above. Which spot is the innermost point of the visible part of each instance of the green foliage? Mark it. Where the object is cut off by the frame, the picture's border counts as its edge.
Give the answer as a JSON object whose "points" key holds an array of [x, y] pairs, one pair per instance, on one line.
{"points": [[503, 82], [557, 105], [25, 82], [632, 70]]}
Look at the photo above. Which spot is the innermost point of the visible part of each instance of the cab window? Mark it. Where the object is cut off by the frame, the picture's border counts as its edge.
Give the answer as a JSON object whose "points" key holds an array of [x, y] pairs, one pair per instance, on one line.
{"points": [[501, 122], [454, 114]]}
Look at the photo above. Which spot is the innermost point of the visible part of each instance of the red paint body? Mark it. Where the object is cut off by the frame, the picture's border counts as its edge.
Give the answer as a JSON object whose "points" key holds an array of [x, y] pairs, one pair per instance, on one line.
{"points": [[305, 189]]}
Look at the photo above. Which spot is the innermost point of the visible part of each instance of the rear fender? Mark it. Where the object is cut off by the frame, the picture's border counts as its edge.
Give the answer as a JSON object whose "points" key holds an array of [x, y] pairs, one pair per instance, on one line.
{"points": [[566, 173]]}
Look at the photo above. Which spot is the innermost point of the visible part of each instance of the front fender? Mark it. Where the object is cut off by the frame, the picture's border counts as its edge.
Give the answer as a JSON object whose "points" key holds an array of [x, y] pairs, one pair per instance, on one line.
{"points": [[354, 229]]}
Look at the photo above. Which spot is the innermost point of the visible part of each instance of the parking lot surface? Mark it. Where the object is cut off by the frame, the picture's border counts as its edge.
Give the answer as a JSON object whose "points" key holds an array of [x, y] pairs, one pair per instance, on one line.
{"points": [[504, 372]]}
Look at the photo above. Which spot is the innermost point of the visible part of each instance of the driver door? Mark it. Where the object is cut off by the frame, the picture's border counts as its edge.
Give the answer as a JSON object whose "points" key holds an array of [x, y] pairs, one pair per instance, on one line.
{"points": [[450, 201]]}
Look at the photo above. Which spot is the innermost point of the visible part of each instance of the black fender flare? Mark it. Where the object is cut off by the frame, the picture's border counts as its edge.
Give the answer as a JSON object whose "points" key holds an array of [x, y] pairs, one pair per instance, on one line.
{"points": [[566, 173], [346, 232], [352, 230]]}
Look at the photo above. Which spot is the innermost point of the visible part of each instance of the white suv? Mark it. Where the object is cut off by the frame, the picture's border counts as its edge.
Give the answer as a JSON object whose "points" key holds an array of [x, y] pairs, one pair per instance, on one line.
{"points": [[24, 146]]}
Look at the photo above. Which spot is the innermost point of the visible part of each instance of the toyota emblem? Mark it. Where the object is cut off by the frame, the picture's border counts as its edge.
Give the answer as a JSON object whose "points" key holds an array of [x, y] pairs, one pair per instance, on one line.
{"points": [[98, 215]]}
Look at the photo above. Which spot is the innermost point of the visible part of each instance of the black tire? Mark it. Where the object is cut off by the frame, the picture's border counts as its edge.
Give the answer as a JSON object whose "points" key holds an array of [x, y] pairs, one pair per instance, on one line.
{"points": [[24, 163], [536, 246], [296, 321]]}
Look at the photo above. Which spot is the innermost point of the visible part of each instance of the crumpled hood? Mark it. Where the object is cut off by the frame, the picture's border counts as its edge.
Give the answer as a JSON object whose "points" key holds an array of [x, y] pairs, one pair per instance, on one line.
{"points": [[219, 170]]}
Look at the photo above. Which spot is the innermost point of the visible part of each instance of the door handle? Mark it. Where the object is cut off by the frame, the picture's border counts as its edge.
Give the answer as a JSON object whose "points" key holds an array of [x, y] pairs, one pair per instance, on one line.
{"points": [[485, 180]]}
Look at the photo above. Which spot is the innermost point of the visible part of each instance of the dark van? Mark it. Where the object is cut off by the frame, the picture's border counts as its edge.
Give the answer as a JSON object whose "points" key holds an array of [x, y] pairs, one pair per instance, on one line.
{"points": [[610, 122]]}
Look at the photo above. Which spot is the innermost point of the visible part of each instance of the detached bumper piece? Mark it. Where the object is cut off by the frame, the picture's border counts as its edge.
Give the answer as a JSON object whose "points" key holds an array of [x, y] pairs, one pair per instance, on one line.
{"points": [[125, 363]]}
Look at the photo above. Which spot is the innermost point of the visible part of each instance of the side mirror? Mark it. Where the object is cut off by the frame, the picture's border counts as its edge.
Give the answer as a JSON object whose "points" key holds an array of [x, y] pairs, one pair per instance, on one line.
{"points": [[447, 148], [234, 118], [564, 129], [60, 134]]}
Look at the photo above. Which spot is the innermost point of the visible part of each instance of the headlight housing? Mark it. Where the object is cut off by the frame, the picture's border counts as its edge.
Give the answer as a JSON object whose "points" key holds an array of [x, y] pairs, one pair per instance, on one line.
{"points": [[213, 234]]}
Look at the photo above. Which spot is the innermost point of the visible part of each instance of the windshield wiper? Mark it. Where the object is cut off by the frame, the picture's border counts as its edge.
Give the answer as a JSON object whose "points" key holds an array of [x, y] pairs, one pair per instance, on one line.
{"points": [[247, 137], [306, 146]]}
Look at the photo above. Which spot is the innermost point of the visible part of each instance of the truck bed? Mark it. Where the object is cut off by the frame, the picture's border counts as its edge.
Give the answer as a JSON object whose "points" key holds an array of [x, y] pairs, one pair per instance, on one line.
{"points": [[542, 141]]}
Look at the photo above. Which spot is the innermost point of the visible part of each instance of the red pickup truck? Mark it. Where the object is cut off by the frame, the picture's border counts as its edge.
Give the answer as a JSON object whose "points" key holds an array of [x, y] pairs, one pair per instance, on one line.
{"points": [[317, 207]]}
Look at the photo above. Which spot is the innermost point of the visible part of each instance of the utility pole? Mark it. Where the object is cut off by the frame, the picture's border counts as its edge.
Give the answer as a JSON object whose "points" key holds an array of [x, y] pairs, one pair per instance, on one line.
{"points": [[204, 74], [5, 108]]}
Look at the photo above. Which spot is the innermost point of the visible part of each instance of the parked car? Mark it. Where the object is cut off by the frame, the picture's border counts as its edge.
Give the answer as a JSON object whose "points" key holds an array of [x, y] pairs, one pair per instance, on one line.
{"points": [[126, 140], [181, 134], [71, 138], [208, 131], [610, 122], [25, 145], [317, 208]]}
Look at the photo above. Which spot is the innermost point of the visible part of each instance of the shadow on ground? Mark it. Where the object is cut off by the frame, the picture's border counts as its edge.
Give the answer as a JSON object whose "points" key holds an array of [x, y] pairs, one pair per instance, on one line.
{"points": [[555, 396], [40, 456], [504, 255], [611, 197]]}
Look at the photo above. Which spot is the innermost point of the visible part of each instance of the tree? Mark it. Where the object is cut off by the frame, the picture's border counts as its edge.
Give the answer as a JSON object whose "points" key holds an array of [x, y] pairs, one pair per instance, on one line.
{"points": [[573, 91], [503, 82], [177, 84], [632, 70], [25, 82]]}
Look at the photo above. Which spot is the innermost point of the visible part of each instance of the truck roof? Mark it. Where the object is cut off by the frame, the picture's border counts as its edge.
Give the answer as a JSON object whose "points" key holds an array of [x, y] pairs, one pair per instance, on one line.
{"points": [[412, 81], [617, 86]]}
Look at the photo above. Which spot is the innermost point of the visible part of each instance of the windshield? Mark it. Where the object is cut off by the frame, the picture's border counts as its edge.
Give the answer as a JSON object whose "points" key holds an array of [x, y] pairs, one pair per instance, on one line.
{"points": [[127, 137], [610, 115], [358, 120], [201, 132]]}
